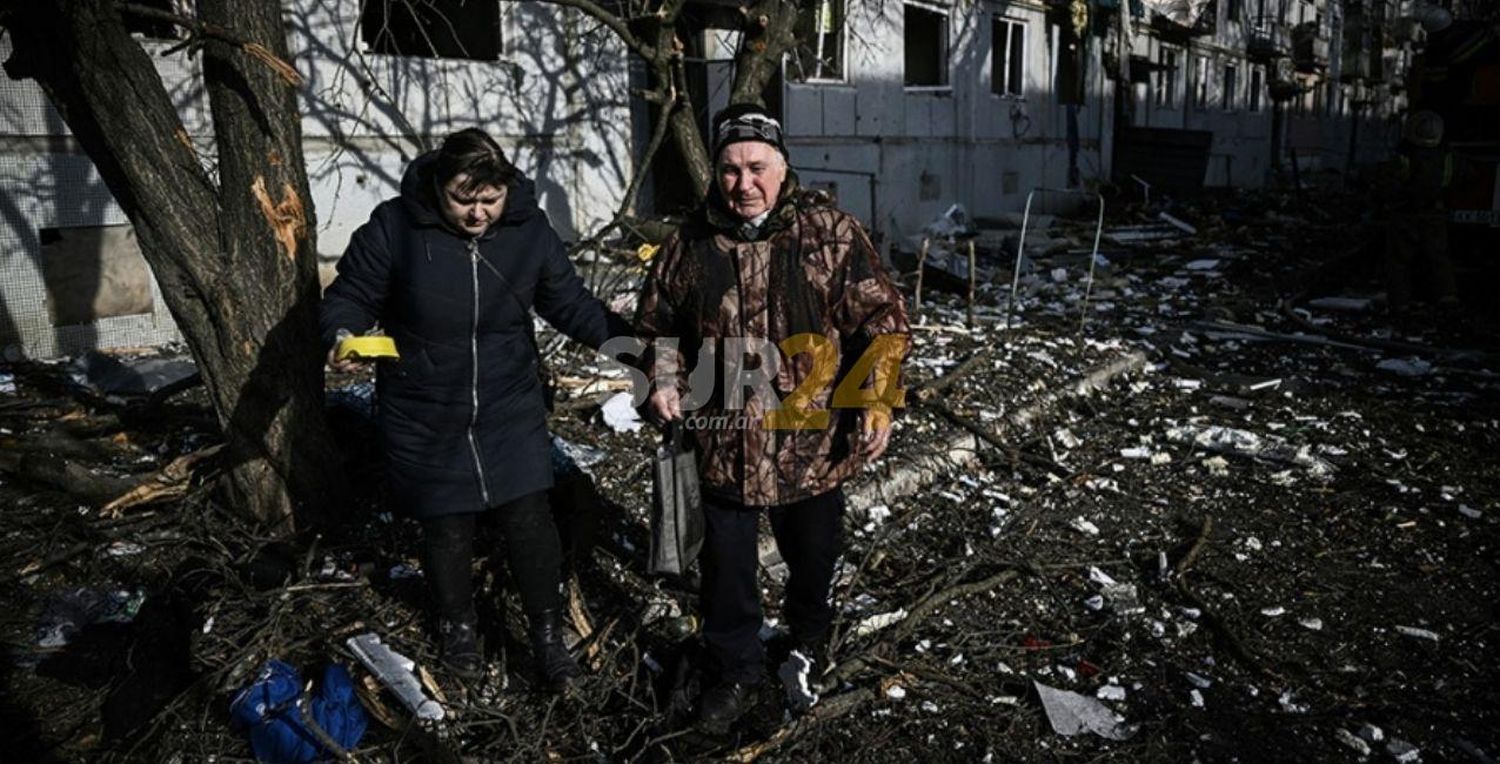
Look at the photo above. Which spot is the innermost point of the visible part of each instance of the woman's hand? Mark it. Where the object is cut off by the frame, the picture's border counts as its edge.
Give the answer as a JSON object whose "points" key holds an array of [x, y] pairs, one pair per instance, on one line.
{"points": [[348, 365]]}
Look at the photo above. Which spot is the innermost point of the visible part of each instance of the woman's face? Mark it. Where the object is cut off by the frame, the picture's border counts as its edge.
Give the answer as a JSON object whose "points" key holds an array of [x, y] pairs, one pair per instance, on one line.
{"points": [[471, 210]]}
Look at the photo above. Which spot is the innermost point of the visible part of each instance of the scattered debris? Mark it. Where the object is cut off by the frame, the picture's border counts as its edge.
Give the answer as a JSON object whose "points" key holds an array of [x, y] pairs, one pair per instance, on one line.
{"points": [[396, 672], [1071, 713], [620, 414], [1416, 633]]}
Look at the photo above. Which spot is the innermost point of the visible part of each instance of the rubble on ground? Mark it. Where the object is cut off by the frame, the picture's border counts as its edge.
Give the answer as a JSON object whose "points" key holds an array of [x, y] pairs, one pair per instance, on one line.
{"points": [[1192, 507]]}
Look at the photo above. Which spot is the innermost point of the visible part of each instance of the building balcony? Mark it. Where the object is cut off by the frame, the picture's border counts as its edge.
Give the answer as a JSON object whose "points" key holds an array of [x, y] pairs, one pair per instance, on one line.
{"points": [[1309, 48], [1266, 38]]}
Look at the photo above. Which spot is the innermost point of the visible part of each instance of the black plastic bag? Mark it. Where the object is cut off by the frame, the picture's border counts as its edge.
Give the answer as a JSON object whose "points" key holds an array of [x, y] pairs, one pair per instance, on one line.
{"points": [[676, 506]]}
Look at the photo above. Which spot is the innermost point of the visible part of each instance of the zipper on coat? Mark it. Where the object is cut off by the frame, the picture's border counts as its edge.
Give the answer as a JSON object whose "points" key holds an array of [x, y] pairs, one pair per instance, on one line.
{"points": [[484, 489]]}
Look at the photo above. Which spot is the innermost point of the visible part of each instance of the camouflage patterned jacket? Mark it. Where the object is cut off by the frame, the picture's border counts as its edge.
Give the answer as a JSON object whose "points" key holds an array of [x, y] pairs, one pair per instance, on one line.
{"points": [[809, 270]]}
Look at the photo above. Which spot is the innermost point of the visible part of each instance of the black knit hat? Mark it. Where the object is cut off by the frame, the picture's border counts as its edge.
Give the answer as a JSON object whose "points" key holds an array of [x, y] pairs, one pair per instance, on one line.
{"points": [[746, 122]]}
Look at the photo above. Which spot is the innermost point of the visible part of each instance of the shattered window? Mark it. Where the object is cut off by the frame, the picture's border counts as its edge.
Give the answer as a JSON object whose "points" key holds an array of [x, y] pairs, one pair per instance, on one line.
{"points": [[1255, 86], [1007, 56], [466, 29], [1231, 83], [1205, 75], [820, 42], [926, 46], [1166, 78]]}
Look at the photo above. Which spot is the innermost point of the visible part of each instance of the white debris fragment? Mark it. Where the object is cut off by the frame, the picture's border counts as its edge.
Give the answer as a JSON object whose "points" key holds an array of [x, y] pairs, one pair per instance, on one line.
{"points": [[1005, 700], [1070, 713], [1217, 466], [1110, 692], [1290, 705], [1095, 602], [1469, 512], [1100, 577], [879, 621], [1197, 698], [1406, 367], [1412, 631], [652, 663], [1311, 624], [619, 413], [1205, 264], [1237, 442], [1353, 743], [895, 692], [1066, 438], [1370, 733], [1177, 223], [1253, 544], [1161, 457], [930, 707], [1135, 452], [1402, 751], [1082, 525], [1124, 599], [124, 549], [1059, 275], [1273, 612], [1198, 680]]}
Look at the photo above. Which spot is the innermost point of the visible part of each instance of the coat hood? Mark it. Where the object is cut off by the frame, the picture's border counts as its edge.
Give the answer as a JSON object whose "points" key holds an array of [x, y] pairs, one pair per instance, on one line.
{"points": [[419, 197]]}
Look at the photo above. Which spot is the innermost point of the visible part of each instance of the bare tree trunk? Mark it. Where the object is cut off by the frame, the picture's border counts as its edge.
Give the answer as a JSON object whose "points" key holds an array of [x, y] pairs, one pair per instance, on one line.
{"points": [[236, 260], [770, 32]]}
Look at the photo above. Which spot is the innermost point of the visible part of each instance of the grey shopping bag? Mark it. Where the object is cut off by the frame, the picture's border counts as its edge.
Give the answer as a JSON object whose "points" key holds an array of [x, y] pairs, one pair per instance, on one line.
{"points": [[677, 506]]}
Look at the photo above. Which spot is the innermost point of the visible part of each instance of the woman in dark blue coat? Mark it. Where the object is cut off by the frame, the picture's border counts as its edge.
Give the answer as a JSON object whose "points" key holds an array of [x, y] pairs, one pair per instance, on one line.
{"points": [[452, 270]]}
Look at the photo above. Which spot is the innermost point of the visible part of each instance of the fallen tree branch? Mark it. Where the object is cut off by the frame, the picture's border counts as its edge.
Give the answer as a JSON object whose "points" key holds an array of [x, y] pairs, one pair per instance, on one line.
{"points": [[843, 671], [961, 451], [171, 482], [830, 708]]}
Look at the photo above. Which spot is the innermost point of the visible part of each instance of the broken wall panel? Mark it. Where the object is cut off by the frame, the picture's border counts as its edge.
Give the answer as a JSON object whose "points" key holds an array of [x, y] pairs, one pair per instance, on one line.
{"points": [[94, 272], [62, 191]]}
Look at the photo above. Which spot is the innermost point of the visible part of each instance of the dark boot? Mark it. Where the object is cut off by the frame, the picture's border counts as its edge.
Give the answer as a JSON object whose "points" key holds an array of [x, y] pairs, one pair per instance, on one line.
{"points": [[461, 653], [723, 704], [557, 667]]}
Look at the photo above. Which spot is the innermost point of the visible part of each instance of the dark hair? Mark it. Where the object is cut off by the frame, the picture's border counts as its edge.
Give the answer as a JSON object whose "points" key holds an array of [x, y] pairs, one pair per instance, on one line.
{"points": [[474, 153]]}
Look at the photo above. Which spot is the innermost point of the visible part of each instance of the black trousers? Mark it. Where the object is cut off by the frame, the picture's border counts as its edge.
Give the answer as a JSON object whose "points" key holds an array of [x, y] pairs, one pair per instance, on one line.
{"points": [[531, 548], [807, 534]]}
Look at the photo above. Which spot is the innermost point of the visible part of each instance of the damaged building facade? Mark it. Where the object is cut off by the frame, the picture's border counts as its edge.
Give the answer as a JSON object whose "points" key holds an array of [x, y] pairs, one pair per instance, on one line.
{"points": [[900, 108], [907, 107]]}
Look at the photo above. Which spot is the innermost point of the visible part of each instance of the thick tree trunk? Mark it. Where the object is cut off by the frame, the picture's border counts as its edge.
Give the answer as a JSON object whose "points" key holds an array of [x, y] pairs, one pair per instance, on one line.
{"points": [[770, 32], [236, 261]]}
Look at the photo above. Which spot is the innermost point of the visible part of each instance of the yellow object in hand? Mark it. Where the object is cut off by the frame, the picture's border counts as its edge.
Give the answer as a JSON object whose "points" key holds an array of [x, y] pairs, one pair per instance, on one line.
{"points": [[366, 348]]}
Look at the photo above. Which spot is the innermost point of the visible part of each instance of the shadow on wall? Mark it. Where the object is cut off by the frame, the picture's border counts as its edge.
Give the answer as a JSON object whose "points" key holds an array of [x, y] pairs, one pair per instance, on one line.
{"points": [[550, 96], [59, 237], [72, 260]]}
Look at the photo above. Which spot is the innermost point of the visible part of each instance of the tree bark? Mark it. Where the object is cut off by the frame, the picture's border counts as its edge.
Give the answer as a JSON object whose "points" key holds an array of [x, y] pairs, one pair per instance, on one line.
{"points": [[235, 259], [770, 32]]}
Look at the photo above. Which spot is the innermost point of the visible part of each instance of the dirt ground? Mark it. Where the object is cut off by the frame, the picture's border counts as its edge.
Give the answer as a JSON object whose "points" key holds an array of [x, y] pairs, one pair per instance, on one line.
{"points": [[1264, 531]]}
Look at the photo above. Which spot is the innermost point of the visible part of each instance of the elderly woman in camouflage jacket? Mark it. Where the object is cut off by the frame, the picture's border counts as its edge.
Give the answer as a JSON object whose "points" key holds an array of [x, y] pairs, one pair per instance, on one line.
{"points": [[764, 265]]}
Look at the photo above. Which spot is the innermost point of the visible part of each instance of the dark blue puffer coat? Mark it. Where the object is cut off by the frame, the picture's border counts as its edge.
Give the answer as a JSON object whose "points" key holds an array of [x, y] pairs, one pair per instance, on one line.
{"points": [[462, 417]]}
